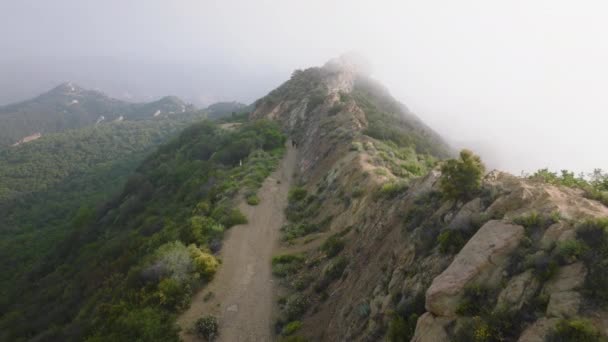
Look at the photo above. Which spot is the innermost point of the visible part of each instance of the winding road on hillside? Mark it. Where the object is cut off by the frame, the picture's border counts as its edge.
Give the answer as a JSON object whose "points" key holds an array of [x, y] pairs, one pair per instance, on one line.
{"points": [[241, 293]]}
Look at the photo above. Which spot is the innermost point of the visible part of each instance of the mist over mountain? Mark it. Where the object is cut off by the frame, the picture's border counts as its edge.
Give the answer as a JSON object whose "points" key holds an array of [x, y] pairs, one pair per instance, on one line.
{"points": [[201, 83]]}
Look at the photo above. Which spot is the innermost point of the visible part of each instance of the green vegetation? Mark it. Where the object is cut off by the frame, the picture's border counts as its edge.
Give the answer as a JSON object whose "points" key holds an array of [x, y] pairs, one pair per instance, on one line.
{"points": [[388, 120], [593, 233], [393, 188], [333, 245], [475, 300], [578, 330], [595, 184], [296, 306], [253, 199], [451, 241], [402, 326], [207, 327], [403, 162], [302, 212], [56, 111], [461, 178], [284, 265], [332, 271], [128, 266], [291, 328]]}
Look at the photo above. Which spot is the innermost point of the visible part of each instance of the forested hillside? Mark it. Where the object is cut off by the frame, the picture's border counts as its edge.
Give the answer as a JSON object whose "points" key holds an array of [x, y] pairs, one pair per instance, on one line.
{"points": [[69, 106], [130, 264]]}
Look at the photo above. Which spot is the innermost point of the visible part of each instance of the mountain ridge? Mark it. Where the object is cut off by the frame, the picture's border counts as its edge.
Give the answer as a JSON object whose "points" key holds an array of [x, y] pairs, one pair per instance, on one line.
{"points": [[69, 106]]}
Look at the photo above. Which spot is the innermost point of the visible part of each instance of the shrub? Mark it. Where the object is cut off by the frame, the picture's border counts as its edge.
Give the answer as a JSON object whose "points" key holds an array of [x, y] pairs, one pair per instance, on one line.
{"points": [[172, 294], [291, 328], [207, 327], [332, 246], [203, 229], [204, 263], [393, 188], [451, 241], [287, 264], [296, 306], [475, 300], [593, 233], [543, 266], [575, 330], [332, 272], [461, 178], [400, 329], [297, 194], [570, 250], [253, 199]]}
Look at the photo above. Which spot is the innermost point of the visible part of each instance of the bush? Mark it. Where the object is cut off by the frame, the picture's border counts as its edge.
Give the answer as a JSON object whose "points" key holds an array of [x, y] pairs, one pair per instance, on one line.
{"points": [[287, 264], [393, 188], [296, 306], [593, 233], [400, 329], [451, 241], [571, 250], [291, 328], [207, 327], [578, 330], [204, 263], [332, 272], [234, 218], [461, 178], [253, 199], [475, 300], [332, 246], [297, 194]]}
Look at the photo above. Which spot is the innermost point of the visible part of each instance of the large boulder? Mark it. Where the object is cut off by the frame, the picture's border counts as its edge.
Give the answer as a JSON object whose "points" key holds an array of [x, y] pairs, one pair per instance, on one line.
{"points": [[482, 259], [564, 300], [538, 331], [430, 328], [564, 304]]}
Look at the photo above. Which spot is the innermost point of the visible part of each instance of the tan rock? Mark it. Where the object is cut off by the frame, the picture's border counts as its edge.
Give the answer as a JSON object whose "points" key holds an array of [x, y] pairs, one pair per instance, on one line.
{"points": [[553, 234], [430, 328], [538, 331], [568, 278], [518, 291], [482, 259], [564, 304], [463, 217]]}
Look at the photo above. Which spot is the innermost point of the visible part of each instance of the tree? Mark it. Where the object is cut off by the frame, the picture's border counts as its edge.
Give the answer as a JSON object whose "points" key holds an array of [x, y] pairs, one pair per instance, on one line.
{"points": [[461, 178]]}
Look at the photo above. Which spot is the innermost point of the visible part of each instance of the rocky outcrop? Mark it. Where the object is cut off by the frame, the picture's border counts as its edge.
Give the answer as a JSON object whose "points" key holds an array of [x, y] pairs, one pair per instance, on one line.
{"points": [[482, 259], [430, 328], [538, 331], [518, 291]]}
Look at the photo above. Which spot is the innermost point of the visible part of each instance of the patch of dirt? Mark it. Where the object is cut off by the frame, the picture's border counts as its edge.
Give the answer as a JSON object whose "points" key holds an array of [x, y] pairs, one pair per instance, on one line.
{"points": [[243, 290]]}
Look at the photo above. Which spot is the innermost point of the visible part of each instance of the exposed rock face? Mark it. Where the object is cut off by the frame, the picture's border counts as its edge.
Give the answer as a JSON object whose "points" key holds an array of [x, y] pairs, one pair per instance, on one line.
{"points": [[431, 329], [395, 262], [537, 332], [518, 291], [522, 196], [481, 259]]}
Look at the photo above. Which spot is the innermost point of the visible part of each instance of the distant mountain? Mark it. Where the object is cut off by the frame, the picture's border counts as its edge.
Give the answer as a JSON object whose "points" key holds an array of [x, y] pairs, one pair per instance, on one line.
{"points": [[69, 106], [224, 109]]}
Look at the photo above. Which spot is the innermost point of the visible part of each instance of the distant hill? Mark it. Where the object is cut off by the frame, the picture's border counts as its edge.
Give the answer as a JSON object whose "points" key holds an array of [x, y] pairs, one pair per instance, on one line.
{"points": [[225, 109], [69, 106]]}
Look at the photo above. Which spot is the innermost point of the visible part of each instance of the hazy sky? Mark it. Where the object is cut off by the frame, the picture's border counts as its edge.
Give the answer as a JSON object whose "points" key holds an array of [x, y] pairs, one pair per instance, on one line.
{"points": [[524, 82]]}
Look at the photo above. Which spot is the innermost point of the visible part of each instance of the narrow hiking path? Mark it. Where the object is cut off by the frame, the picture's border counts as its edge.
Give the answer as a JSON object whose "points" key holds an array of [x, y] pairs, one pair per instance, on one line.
{"points": [[241, 293]]}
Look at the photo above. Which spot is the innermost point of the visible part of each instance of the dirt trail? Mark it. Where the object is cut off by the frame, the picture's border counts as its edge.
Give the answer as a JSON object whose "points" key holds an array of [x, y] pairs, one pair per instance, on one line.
{"points": [[243, 287]]}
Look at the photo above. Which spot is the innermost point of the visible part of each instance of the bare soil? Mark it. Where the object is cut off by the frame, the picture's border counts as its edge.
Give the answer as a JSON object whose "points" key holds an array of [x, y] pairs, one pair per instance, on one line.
{"points": [[241, 295]]}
